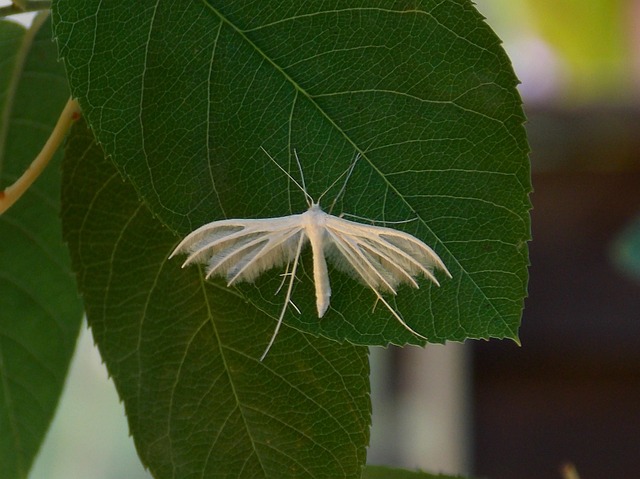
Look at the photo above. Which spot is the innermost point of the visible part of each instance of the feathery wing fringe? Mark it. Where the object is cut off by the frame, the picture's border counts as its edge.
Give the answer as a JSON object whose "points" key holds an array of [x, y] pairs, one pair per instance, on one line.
{"points": [[241, 250], [381, 258]]}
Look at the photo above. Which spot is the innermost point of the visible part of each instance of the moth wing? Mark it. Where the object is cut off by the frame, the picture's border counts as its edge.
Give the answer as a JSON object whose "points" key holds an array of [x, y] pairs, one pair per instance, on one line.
{"points": [[242, 249], [381, 257], [346, 253]]}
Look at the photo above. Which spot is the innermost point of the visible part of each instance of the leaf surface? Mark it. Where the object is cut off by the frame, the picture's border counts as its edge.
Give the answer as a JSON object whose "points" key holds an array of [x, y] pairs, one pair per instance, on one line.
{"points": [[183, 96], [40, 311], [183, 352]]}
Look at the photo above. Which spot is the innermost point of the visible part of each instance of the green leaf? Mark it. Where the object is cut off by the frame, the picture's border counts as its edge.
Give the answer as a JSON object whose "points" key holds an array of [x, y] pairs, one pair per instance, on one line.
{"points": [[182, 351], [183, 99], [381, 472], [625, 249], [40, 311]]}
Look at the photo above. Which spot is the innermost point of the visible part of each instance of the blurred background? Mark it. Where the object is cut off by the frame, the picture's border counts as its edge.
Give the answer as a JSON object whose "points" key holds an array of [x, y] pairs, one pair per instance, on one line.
{"points": [[571, 392]]}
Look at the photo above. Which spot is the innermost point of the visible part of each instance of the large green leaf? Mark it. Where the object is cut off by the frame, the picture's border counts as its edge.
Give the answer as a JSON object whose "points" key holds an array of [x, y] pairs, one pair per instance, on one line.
{"points": [[40, 310], [182, 351], [182, 95]]}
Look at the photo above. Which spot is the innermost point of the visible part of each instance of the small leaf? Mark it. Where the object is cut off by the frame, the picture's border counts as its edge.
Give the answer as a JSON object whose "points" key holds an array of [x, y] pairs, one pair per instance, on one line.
{"points": [[40, 311], [183, 352], [626, 249], [184, 99]]}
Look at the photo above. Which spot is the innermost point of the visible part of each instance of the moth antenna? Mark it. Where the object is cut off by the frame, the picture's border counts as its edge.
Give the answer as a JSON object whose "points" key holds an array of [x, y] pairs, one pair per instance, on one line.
{"points": [[346, 172], [398, 317], [302, 187], [384, 222], [284, 278]]}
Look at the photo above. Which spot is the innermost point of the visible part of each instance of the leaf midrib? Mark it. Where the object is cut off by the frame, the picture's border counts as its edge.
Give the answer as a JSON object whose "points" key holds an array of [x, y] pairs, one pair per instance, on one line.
{"points": [[310, 98]]}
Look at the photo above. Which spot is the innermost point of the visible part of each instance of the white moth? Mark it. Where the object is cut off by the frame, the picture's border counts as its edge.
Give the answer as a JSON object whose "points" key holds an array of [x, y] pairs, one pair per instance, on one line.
{"points": [[381, 258]]}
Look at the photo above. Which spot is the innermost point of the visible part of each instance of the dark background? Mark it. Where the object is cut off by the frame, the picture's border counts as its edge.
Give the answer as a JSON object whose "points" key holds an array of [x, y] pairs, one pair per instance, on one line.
{"points": [[571, 392]]}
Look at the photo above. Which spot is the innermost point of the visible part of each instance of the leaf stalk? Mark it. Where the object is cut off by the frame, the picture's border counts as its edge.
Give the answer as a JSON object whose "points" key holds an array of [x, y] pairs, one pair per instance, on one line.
{"points": [[12, 193]]}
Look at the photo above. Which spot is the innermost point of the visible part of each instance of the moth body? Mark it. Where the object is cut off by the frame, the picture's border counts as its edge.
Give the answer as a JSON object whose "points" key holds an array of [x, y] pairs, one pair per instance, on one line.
{"points": [[314, 222]]}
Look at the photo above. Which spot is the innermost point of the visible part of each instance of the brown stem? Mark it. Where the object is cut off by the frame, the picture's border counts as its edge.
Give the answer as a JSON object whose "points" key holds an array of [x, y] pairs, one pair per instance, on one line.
{"points": [[24, 6], [12, 193]]}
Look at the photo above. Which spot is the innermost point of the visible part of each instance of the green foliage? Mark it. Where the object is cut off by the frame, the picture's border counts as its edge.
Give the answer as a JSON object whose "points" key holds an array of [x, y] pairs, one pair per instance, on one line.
{"points": [[40, 310], [183, 101], [180, 98], [183, 351]]}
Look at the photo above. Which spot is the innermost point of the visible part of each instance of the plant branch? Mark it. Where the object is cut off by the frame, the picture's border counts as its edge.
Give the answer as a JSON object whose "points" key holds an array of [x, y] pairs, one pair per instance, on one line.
{"points": [[12, 193], [23, 6]]}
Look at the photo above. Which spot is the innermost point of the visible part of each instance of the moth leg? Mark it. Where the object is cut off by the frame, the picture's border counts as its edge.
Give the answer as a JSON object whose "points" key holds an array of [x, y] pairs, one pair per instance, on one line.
{"points": [[397, 316], [284, 278], [293, 305], [287, 299], [375, 303]]}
